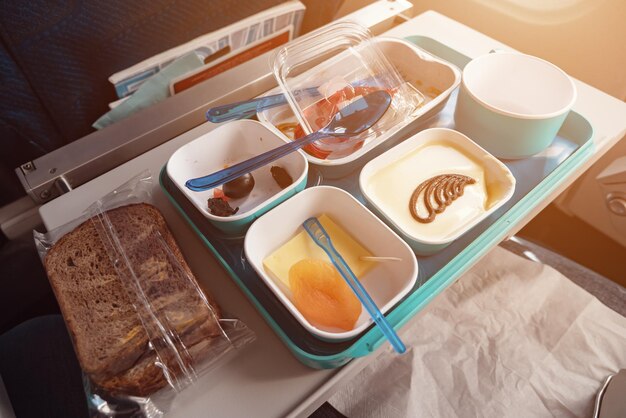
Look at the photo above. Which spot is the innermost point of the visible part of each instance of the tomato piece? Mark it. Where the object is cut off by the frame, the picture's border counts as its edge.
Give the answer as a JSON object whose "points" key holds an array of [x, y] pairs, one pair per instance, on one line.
{"points": [[219, 194]]}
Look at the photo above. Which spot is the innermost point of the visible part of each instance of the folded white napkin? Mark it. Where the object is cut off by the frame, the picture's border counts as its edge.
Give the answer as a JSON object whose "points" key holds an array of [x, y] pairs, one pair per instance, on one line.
{"points": [[511, 338]]}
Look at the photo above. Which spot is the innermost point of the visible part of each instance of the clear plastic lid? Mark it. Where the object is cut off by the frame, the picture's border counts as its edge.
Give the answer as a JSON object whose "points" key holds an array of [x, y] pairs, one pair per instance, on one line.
{"points": [[325, 70]]}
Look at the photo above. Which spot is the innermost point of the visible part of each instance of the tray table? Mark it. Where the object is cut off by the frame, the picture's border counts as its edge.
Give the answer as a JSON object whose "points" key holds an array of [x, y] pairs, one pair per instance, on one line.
{"points": [[536, 177]]}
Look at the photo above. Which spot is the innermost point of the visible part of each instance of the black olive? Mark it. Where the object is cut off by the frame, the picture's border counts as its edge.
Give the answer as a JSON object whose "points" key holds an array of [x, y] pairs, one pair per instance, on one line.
{"points": [[240, 187]]}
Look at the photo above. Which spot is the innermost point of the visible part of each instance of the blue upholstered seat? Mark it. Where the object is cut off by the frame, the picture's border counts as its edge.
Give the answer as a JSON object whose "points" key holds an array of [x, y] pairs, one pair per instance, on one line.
{"points": [[56, 57]]}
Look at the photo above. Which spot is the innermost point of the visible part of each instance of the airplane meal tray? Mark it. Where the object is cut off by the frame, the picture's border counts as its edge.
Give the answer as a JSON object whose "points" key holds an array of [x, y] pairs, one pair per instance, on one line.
{"points": [[537, 177]]}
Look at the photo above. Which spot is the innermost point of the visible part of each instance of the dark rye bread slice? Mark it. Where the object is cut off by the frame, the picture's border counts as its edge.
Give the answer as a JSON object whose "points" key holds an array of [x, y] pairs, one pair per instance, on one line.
{"points": [[108, 335], [145, 377]]}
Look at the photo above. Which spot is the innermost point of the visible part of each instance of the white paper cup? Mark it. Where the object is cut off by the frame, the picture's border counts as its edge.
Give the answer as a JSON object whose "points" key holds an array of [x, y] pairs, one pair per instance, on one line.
{"points": [[513, 104]]}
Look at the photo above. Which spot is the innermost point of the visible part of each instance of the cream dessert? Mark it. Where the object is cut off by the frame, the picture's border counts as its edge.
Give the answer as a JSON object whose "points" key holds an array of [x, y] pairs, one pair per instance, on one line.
{"points": [[432, 192]]}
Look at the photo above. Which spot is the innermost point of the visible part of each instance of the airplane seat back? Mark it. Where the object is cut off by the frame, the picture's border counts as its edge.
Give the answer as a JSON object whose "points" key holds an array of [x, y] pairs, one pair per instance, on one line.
{"points": [[55, 60]]}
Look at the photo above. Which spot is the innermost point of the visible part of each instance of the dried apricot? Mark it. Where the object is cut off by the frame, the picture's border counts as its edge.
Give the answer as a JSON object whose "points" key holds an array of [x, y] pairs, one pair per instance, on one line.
{"points": [[322, 295]]}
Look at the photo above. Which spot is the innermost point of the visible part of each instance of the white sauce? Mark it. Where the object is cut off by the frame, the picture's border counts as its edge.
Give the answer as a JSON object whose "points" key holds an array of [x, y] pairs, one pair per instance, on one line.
{"points": [[392, 186]]}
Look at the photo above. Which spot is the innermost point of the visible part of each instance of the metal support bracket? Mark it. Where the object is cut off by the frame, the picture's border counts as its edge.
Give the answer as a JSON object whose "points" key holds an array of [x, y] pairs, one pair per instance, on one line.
{"points": [[90, 156]]}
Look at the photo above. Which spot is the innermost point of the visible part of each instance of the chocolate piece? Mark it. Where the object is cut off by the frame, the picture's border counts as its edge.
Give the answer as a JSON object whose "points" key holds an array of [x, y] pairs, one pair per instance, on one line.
{"points": [[220, 207], [438, 193], [281, 176]]}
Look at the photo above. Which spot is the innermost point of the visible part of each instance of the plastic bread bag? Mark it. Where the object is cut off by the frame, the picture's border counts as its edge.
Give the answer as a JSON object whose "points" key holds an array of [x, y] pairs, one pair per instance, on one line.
{"points": [[143, 329]]}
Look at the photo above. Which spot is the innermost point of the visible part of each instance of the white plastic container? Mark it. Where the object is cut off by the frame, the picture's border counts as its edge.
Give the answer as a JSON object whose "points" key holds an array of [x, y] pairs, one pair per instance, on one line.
{"points": [[387, 283], [498, 182], [229, 144], [434, 78]]}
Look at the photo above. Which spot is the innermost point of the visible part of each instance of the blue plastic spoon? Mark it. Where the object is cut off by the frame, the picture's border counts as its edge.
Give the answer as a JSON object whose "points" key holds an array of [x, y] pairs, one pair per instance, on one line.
{"points": [[248, 108], [313, 227], [356, 117]]}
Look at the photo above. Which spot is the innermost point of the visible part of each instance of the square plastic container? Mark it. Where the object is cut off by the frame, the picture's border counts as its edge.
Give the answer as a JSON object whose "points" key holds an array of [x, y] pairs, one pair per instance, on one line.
{"points": [[429, 153], [433, 78], [229, 144], [387, 283], [327, 69]]}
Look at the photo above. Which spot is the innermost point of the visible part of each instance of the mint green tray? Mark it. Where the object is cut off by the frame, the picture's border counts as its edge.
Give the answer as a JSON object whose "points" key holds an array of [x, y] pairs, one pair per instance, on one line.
{"points": [[537, 177]]}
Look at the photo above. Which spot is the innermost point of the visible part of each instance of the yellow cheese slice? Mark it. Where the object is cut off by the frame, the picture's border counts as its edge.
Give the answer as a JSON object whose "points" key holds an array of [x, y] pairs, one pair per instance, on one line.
{"points": [[301, 246]]}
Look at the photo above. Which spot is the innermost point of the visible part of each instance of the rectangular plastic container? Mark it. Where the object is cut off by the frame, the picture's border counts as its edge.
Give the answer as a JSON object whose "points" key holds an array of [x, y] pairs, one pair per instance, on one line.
{"points": [[386, 283], [499, 185], [536, 178], [433, 78], [231, 143], [336, 64]]}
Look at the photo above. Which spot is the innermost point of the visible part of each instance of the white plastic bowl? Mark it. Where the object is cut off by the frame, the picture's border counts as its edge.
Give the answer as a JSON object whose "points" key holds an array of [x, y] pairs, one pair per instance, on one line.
{"points": [[499, 182], [513, 104], [435, 78], [228, 144], [387, 283]]}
